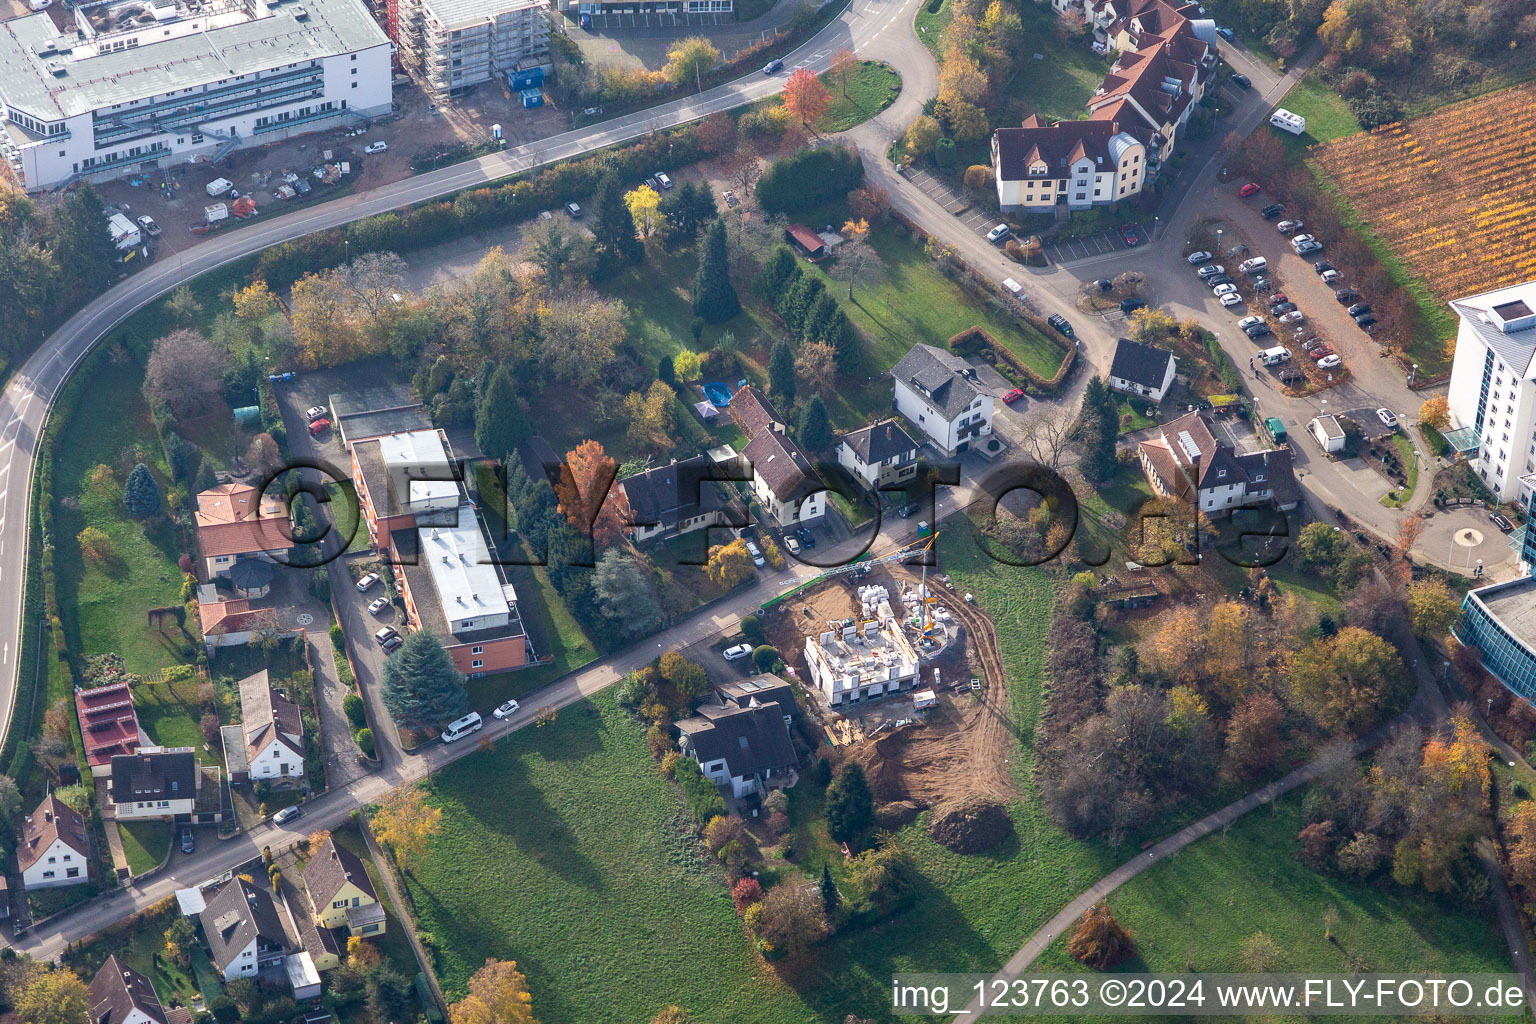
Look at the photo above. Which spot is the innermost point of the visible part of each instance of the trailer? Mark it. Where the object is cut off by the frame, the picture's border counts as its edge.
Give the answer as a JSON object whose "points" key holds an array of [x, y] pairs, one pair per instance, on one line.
{"points": [[215, 213], [125, 233], [1287, 121]]}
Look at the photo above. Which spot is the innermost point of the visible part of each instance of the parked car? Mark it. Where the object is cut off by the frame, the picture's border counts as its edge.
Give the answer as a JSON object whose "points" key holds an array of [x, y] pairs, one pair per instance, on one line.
{"points": [[1309, 247], [1365, 320], [1357, 309], [1104, 284], [1219, 279], [1304, 237], [1256, 265], [1272, 211], [1329, 362], [1129, 306], [1224, 289], [1249, 189], [1249, 321], [1241, 81], [1295, 316], [188, 841], [1211, 270], [367, 581], [377, 605], [730, 199], [1059, 322], [652, 184], [737, 652], [1129, 234], [997, 234], [1225, 33], [506, 710], [806, 536], [319, 427], [791, 544], [1317, 349], [1013, 396], [1278, 297], [1198, 257], [1387, 416], [150, 228], [1322, 267], [287, 814], [1256, 331], [384, 633], [757, 554], [1285, 227], [1281, 308], [573, 210], [1346, 295], [1231, 299], [1501, 521], [393, 644], [664, 181], [1330, 276], [314, 412], [1237, 250], [376, 147]]}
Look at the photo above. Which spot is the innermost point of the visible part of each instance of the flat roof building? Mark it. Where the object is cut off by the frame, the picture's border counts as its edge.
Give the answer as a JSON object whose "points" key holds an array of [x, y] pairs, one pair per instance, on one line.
{"points": [[404, 480], [456, 44], [1492, 397], [868, 658], [109, 726], [138, 84]]}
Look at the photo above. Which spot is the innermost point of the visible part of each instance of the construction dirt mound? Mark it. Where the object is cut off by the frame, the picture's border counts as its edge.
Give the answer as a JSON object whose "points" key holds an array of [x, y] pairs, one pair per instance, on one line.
{"points": [[970, 825], [897, 814]]}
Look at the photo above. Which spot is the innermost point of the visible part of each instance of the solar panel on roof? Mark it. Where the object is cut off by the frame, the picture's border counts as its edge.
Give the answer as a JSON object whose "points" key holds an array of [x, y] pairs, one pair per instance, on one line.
{"points": [[1187, 442]]}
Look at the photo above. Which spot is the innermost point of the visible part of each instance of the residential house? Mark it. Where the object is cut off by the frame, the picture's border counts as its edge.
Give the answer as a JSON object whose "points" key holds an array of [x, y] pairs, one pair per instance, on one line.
{"points": [[1492, 394], [765, 689], [939, 393], [1187, 462], [879, 455], [1143, 370], [154, 783], [747, 747], [678, 498], [108, 724], [871, 659], [786, 486], [233, 622], [235, 522], [272, 729], [244, 932], [53, 848], [118, 994], [340, 892], [1079, 164], [1155, 89]]}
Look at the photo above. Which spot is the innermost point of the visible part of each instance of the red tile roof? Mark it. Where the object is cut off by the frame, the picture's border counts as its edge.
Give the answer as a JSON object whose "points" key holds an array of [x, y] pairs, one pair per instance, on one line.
{"points": [[235, 519]]}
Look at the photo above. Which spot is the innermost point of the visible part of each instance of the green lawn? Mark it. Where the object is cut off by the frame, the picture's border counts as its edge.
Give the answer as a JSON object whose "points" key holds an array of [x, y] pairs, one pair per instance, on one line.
{"points": [[169, 713], [1137, 412], [1060, 84], [931, 20], [145, 843], [1194, 911], [1397, 499], [872, 87], [1328, 116]]}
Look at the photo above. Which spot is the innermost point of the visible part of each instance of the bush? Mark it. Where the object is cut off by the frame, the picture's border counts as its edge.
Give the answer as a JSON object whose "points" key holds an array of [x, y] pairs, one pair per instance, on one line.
{"points": [[752, 629], [352, 704], [763, 657], [944, 153], [365, 740], [702, 795], [809, 177], [745, 893], [338, 639]]}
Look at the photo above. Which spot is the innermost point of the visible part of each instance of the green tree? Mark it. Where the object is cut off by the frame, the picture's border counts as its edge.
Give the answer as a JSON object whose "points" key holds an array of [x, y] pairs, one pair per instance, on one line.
{"points": [[623, 595], [815, 427], [613, 226], [420, 684], [714, 297], [800, 301], [687, 208], [830, 898], [666, 372], [141, 495], [500, 423], [1098, 426], [80, 242], [850, 807], [1350, 681], [688, 59], [781, 372], [55, 996], [1322, 546], [779, 272]]}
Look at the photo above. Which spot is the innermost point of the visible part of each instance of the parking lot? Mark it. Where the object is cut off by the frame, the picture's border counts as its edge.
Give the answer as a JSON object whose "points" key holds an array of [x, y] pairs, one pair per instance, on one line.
{"points": [[936, 190], [1068, 249], [657, 19]]}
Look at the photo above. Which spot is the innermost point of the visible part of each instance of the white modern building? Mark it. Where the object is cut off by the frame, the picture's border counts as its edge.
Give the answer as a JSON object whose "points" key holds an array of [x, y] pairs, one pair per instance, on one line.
{"points": [[1081, 164], [456, 44], [871, 658], [1492, 395], [139, 84], [940, 394]]}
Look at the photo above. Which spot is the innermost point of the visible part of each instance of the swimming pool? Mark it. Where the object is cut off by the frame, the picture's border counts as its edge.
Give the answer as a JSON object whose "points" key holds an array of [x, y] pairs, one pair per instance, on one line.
{"points": [[718, 393]]}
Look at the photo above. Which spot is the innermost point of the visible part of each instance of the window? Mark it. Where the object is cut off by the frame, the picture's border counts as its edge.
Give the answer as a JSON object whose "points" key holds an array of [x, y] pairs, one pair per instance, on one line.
{"points": [[354, 85], [477, 649], [72, 873], [339, 904], [477, 663]]}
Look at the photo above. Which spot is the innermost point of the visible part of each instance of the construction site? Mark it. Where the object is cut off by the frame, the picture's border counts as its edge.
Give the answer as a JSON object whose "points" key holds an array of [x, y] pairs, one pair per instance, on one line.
{"points": [[902, 674]]}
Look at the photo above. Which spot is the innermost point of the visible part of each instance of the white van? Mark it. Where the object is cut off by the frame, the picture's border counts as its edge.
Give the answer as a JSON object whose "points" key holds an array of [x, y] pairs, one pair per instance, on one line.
{"points": [[1272, 356], [1257, 265], [1287, 121], [218, 186], [463, 727]]}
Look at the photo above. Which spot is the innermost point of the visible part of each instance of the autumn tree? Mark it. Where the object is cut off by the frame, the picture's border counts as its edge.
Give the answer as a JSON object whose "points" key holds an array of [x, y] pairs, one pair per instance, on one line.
{"points": [[587, 496], [95, 545], [1100, 941], [1227, 642], [792, 917], [870, 203], [806, 97], [361, 953], [729, 564], [1255, 742], [643, 203], [857, 260], [407, 824], [842, 67], [1436, 411], [689, 679], [690, 58], [498, 994], [1177, 649], [579, 335], [1350, 681], [650, 417], [255, 302], [1521, 836], [923, 134], [323, 332], [55, 996], [961, 79], [1046, 434], [1408, 534], [262, 456], [1432, 608], [317, 841], [185, 372], [1377, 603], [816, 367]]}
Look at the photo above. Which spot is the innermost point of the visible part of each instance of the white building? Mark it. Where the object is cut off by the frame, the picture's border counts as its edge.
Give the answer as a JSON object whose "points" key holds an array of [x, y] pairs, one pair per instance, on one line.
{"points": [[1143, 370], [1081, 164], [1329, 433], [871, 658], [155, 783], [939, 393], [53, 849], [244, 932], [272, 729], [879, 455], [1186, 461], [455, 44], [1492, 395], [148, 83], [121, 995]]}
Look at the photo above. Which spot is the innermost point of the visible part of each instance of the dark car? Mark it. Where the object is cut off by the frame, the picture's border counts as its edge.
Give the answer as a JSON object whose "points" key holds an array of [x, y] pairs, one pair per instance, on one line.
{"points": [[1272, 211], [772, 66], [188, 841], [1219, 279], [1281, 308], [1501, 521], [1357, 309], [1345, 296], [1129, 306], [1225, 33], [1322, 267], [1365, 320], [1104, 284], [1242, 81], [1059, 322], [1257, 330], [806, 537], [393, 644]]}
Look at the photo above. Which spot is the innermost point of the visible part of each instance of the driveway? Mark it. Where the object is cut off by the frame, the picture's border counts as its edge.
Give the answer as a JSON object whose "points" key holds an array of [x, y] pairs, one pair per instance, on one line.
{"points": [[358, 626], [341, 753]]}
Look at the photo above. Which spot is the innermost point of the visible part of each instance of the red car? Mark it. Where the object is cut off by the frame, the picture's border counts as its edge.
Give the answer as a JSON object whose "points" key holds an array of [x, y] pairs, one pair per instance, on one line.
{"points": [[1013, 396], [319, 427], [1129, 234], [1277, 298], [1248, 190]]}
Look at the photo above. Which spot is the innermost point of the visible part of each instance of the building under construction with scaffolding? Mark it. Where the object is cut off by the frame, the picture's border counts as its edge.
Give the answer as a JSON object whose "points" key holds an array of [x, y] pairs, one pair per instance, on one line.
{"points": [[865, 657], [456, 44]]}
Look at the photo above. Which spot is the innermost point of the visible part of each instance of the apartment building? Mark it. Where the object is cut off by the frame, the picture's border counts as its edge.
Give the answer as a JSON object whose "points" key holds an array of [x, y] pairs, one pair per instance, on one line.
{"points": [[133, 85], [1081, 164], [456, 44], [1492, 396]]}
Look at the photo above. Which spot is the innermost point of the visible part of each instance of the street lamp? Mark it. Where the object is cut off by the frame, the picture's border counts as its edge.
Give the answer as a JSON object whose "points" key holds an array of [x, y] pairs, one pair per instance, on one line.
{"points": [[1511, 774]]}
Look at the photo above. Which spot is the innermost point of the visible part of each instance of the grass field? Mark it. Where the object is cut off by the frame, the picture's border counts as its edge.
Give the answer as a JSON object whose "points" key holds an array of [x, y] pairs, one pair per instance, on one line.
{"points": [[1397, 499], [1060, 84], [872, 87], [1328, 116], [145, 843], [169, 713], [1194, 911]]}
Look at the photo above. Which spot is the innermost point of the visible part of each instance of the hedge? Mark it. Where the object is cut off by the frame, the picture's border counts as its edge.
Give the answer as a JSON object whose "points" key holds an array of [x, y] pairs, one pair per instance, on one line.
{"points": [[809, 177], [977, 339], [702, 795]]}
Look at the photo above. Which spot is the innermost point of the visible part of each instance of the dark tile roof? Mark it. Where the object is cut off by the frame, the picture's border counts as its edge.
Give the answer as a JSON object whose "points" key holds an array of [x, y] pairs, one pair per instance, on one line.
{"points": [[267, 716], [778, 460], [750, 740], [53, 819], [118, 990], [880, 441], [764, 689], [1057, 145], [945, 380], [752, 411], [675, 492], [330, 869], [1141, 364], [1187, 443], [154, 775], [238, 913]]}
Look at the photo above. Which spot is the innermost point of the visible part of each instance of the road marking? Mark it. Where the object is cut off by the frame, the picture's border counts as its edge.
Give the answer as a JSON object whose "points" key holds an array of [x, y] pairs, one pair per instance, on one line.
{"points": [[7, 659]]}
